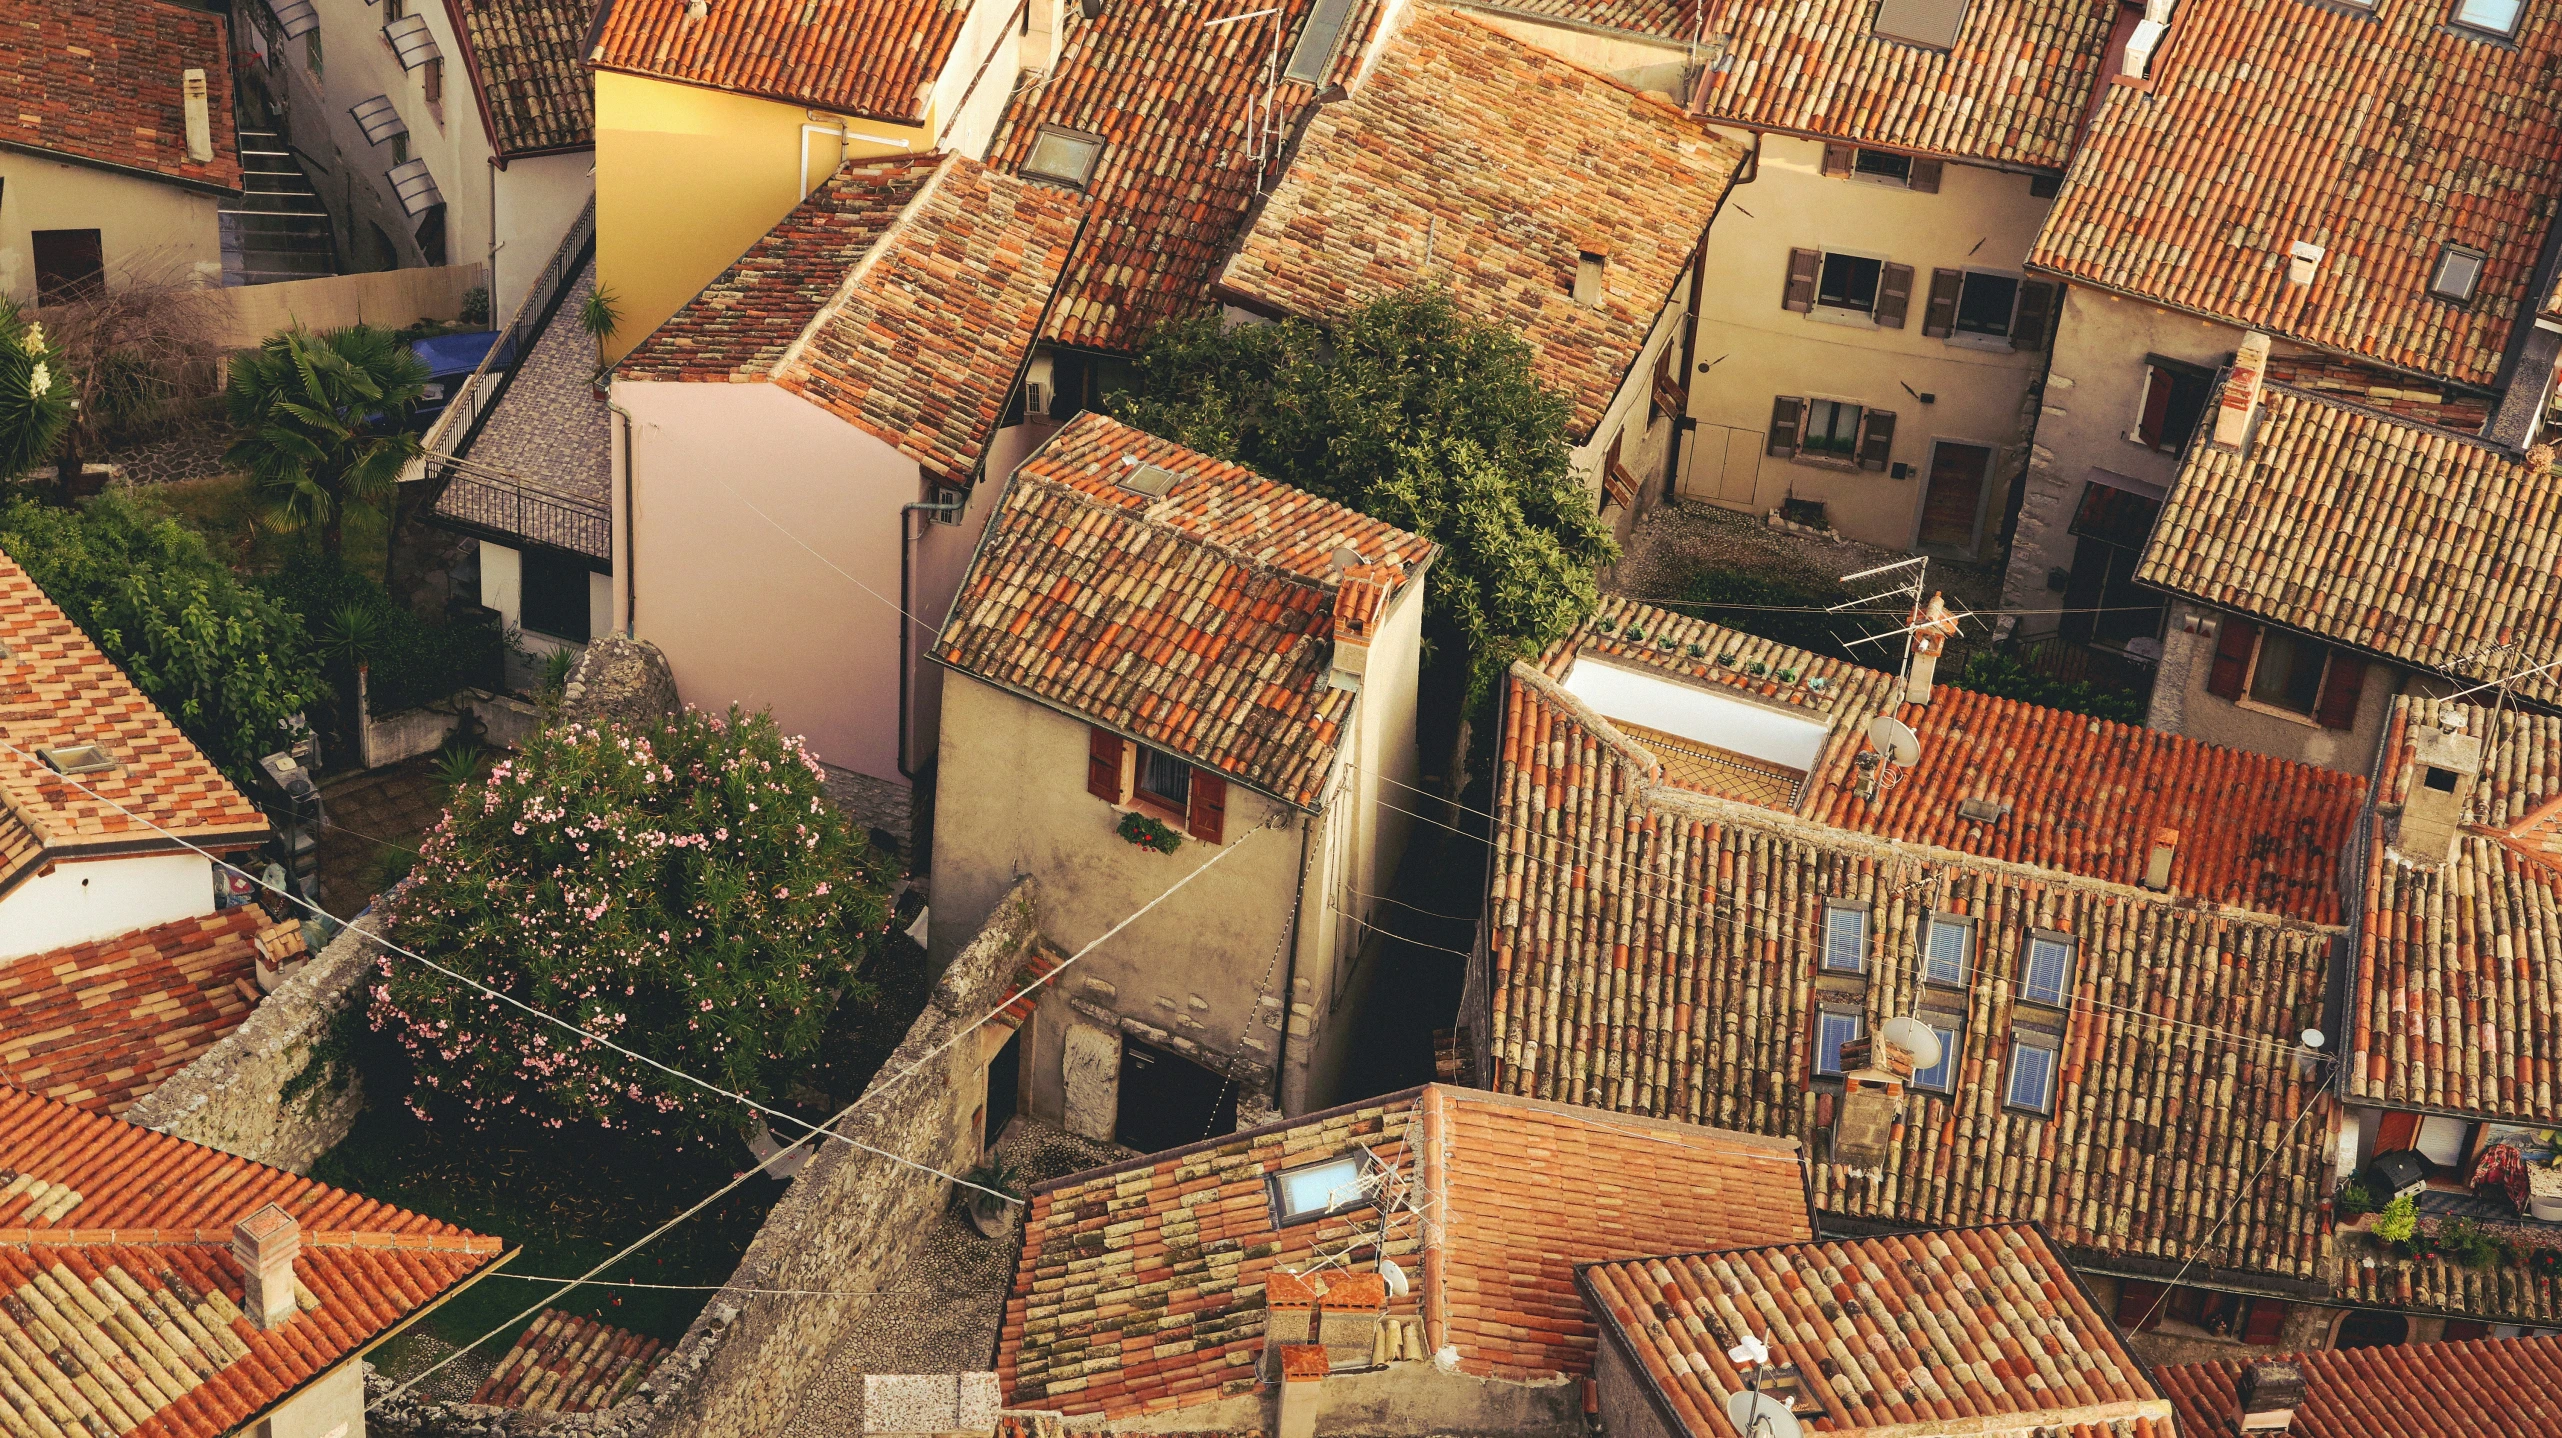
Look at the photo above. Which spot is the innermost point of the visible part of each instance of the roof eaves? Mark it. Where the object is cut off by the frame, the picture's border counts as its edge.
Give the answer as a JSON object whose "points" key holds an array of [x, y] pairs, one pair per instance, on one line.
{"points": [[139, 172]]}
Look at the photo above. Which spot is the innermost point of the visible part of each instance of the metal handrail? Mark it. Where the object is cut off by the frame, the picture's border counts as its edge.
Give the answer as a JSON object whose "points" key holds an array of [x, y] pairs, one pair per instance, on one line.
{"points": [[581, 524], [516, 341]]}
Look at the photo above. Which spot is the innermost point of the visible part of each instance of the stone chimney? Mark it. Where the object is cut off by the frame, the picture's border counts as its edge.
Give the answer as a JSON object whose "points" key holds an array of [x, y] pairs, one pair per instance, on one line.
{"points": [[191, 87], [2266, 1397], [1348, 1318], [2157, 864], [2445, 762], [1302, 1380], [1931, 625], [1592, 265], [265, 1243], [2239, 401], [1360, 603]]}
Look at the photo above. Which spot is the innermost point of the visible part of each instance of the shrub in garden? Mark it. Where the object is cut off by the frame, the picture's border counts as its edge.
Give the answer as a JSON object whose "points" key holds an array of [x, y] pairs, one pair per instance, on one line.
{"points": [[682, 888]]}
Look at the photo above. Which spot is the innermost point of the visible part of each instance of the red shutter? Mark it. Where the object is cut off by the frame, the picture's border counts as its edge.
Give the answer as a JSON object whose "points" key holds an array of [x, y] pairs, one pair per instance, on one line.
{"points": [[2267, 1322], [1925, 177], [1837, 160], [1208, 815], [1799, 294], [2342, 683], [1894, 296], [2234, 641], [2157, 407], [1103, 765], [2396, 1131], [2136, 1299], [1940, 320]]}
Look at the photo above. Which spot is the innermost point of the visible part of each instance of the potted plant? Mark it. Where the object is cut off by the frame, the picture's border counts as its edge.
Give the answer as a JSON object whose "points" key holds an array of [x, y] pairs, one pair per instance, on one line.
{"points": [[1698, 651], [1787, 676], [996, 1194]]}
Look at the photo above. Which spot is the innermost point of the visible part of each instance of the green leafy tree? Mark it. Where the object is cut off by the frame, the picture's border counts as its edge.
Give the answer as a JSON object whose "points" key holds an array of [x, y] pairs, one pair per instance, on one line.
{"points": [[35, 405], [320, 423], [683, 888], [225, 661], [1414, 414]]}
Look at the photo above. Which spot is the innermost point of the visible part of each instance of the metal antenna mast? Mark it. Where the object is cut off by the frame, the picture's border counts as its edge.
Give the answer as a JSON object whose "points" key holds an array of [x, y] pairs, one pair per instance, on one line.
{"points": [[1262, 112]]}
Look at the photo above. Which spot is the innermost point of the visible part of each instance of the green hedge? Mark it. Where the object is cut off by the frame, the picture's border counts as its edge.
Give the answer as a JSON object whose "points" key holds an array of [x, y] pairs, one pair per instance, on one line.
{"points": [[412, 662]]}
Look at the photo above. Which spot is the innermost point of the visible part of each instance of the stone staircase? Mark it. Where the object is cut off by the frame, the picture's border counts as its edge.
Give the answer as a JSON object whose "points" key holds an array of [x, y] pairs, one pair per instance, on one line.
{"points": [[278, 229]]}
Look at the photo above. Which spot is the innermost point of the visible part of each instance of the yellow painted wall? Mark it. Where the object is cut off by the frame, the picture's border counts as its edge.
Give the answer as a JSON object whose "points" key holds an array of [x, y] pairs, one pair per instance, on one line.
{"points": [[688, 178]]}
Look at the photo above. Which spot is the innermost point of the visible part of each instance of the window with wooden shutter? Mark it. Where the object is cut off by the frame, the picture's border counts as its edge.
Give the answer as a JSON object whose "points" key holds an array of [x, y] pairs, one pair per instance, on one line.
{"points": [[1925, 176], [1803, 265], [1838, 160], [1940, 320], [2235, 638], [1894, 296], [2342, 684], [1787, 415], [2034, 320], [1206, 816], [1103, 765], [1876, 438]]}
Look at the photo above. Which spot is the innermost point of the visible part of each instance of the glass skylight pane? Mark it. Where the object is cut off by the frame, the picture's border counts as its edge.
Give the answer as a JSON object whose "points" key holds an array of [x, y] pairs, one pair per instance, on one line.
{"points": [[1315, 1189], [1315, 50], [2032, 1076], [1845, 941], [1936, 1076], [1946, 961], [2049, 972], [1063, 155], [2499, 15]]}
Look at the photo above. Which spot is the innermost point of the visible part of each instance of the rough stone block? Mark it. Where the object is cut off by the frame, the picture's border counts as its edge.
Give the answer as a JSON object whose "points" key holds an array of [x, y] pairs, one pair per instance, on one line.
{"points": [[1090, 1072]]}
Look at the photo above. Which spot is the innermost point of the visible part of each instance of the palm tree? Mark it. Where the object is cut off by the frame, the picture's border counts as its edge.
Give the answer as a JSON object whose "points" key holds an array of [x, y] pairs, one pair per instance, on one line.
{"points": [[321, 423]]}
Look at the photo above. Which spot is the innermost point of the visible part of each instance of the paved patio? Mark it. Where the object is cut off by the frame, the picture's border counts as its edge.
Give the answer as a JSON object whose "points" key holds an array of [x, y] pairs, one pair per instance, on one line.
{"points": [[373, 818]]}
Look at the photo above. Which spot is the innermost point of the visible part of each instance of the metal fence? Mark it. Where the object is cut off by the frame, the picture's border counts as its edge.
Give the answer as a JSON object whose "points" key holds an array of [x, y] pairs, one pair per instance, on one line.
{"points": [[463, 411], [510, 505]]}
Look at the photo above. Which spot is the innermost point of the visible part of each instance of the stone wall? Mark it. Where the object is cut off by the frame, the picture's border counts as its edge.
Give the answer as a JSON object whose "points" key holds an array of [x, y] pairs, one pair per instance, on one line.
{"points": [[619, 678], [852, 1221], [232, 1096]]}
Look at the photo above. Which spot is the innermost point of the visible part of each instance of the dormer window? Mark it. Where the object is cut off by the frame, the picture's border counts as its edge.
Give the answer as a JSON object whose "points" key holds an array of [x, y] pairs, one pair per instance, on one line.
{"points": [[2458, 273], [1948, 951], [2492, 17], [1063, 156]]}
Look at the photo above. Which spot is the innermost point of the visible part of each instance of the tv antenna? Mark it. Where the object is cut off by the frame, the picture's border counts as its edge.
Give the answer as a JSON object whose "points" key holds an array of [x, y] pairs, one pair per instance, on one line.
{"points": [[1262, 111]]}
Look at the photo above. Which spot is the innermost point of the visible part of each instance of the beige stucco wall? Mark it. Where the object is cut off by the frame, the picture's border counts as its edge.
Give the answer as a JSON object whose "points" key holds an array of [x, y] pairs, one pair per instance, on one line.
{"points": [[537, 199], [757, 613], [147, 229], [2093, 400], [1643, 446], [1751, 349], [330, 1406], [247, 314], [2181, 704]]}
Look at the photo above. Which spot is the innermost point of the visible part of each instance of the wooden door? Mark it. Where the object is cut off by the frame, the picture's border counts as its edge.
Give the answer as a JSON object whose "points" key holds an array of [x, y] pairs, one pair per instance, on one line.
{"points": [[1955, 496], [1721, 464]]}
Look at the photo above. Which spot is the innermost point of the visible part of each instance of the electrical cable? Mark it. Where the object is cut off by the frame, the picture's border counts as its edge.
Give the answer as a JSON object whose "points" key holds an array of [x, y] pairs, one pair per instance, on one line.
{"points": [[2311, 1101]]}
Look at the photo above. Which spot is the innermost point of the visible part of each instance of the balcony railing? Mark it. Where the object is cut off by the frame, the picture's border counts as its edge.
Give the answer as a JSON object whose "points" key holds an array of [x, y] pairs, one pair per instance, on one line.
{"points": [[463, 412], [513, 506]]}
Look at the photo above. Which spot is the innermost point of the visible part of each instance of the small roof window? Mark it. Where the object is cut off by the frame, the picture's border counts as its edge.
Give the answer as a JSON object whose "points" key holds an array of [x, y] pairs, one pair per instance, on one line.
{"points": [[1315, 50], [1921, 22], [1152, 480], [1337, 1185], [2498, 17], [78, 758], [2458, 273], [1063, 156]]}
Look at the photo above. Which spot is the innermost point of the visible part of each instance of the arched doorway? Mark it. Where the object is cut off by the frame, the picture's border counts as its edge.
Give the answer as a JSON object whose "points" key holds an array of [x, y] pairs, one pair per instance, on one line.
{"points": [[2366, 1328]]}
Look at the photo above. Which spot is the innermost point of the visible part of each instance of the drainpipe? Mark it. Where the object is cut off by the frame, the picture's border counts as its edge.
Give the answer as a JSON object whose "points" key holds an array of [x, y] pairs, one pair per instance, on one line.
{"points": [[631, 532], [906, 603], [842, 129], [1290, 971]]}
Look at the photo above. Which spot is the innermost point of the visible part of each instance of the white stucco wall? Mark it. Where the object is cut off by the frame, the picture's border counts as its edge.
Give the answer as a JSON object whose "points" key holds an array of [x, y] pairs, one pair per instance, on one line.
{"points": [[538, 199], [331, 1406], [798, 614], [147, 229], [100, 898], [977, 80], [1751, 349]]}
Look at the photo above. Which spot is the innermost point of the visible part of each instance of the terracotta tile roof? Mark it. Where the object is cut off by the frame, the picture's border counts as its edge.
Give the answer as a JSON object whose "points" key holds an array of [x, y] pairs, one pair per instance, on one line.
{"points": [[2084, 796], [100, 81], [2012, 89], [1142, 1287], [99, 1025], [2351, 382], [2379, 135], [1172, 101], [115, 1245], [1040, 968], [873, 58], [1444, 167], [941, 279], [2366, 531], [1653, 951], [525, 63], [742, 323], [2458, 963], [2484, 1388], [1980, 1329], [1196, 622], [566, 1364], [56, 688]]}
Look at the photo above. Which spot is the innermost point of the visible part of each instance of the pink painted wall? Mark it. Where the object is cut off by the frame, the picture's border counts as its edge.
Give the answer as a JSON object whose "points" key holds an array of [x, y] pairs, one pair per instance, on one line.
{"points": [[751, 611]]}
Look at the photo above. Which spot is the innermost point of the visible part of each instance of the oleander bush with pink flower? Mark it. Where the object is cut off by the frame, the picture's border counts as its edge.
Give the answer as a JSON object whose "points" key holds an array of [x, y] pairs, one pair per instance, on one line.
{"points": [[682, 888]]}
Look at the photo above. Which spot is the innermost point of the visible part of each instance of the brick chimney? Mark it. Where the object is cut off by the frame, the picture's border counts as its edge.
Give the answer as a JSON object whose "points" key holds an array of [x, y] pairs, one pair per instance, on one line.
{"points": [[1348, 1318], [191, 87], [2266, 1398], [1931, 624], [2238, 403], [1360, 603], [2157, 864], [265, 1243], [2445, 763]]}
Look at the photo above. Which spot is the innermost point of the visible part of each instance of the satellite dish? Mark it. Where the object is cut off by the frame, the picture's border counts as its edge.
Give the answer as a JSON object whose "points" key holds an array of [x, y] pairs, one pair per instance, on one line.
{"points": [[1914, 1037], [1895, 739], [2313, 1038], [1758, 1415], [1393, 1276]]}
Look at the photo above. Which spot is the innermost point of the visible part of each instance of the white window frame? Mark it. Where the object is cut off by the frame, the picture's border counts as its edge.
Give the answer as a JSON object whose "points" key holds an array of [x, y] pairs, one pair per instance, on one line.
{"points": [[1966, 954], [2028, 966], [1276, 1184], [1951, 1029], [1834, 913], [1858, 1026], [2455, 17]]}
